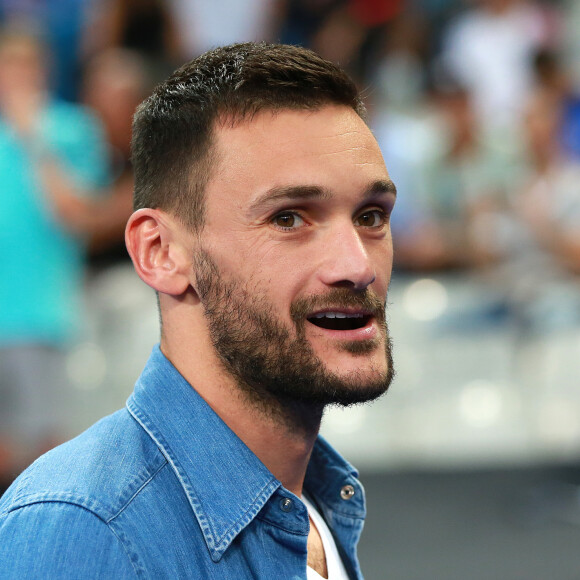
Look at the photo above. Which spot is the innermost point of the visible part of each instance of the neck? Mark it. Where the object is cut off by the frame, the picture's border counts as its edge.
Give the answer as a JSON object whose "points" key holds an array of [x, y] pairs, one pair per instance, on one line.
{"points": [[282, 436], [280, 433]]}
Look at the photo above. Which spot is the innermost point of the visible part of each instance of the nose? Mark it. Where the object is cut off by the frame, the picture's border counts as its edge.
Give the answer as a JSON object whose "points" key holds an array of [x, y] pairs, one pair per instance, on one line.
{"points": [[346, 261]]}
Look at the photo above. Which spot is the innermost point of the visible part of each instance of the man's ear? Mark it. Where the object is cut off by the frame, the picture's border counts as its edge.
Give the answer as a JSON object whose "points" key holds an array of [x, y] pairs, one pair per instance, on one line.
{"points": [[155, 243]]}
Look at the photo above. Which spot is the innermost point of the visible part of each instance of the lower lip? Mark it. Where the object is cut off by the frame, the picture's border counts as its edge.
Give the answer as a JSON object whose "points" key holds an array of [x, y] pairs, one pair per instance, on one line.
{"points": [[367, 332]]}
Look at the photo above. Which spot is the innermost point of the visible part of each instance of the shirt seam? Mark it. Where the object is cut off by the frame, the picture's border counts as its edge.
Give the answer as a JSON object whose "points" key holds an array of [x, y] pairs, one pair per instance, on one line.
{"points": [[137, 492]]}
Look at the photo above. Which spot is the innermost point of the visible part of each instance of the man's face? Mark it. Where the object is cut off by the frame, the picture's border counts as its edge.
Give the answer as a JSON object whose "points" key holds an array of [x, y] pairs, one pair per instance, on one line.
{"points": [[294, 260]]}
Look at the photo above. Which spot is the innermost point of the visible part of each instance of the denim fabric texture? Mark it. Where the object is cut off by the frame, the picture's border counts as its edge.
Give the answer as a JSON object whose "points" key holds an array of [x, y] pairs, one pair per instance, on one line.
{"points": [[164, 489]]}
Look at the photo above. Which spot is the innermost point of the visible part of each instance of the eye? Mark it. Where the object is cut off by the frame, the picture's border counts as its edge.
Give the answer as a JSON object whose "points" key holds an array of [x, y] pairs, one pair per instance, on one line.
{"points": [[372, 218], [288, 220]]}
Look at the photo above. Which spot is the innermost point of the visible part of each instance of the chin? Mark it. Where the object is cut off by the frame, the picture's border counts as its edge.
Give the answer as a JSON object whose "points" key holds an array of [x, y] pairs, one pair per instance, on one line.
{"points": [[355, 355], [364, 390], [359, 372]]}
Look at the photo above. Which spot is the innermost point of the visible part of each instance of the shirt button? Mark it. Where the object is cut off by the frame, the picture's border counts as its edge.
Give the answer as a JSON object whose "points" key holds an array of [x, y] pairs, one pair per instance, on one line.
{"points": [[347, 492], [286, 504]]}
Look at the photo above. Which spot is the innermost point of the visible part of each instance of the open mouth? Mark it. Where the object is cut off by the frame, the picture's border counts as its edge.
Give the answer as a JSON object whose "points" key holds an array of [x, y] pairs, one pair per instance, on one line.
{"points": [[340, 320]]}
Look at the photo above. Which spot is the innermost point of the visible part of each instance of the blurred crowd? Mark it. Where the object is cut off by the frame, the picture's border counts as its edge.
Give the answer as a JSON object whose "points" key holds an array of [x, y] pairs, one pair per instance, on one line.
{"points": [[475, 104]]}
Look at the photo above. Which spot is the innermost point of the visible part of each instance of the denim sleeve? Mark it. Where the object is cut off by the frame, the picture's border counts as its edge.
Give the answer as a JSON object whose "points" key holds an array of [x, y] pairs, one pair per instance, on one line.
{"points": [[44, 541]]}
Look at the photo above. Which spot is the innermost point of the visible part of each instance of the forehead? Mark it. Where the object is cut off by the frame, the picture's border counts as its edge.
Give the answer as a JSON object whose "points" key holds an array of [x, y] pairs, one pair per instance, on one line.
{"points": [[330, 148]]}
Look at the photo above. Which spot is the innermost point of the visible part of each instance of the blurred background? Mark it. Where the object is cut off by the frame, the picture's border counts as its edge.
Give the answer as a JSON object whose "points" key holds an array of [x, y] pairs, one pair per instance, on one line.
{"points": [[472, 460]]}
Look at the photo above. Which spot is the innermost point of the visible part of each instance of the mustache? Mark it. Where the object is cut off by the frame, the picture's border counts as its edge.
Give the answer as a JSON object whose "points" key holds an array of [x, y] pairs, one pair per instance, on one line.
{"points": [[339, 298]]}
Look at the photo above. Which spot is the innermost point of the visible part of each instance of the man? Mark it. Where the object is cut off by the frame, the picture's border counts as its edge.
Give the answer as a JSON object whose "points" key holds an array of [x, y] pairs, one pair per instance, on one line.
{"points": [[262, 221]]}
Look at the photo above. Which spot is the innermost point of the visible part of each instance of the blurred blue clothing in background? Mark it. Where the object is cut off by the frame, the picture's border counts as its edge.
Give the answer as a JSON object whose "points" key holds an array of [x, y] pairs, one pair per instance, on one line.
{"points": [[41, 264]]}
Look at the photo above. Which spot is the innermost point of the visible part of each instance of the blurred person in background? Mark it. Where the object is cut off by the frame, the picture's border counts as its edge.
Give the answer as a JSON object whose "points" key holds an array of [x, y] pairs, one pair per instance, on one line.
{"points": [[53, 165], [62, 24], [433, 234], [530, 236], [204, 25], [489, 50], [146, 27], [114, 82], [555, 81], [300, 20], [352, 33], [427, 129]]}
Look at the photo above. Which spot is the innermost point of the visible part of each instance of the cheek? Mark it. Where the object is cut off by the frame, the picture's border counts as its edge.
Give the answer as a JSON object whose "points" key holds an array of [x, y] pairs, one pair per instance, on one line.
{"points": [[383, 260], [278, 264], [269, 274], [283, 281]]}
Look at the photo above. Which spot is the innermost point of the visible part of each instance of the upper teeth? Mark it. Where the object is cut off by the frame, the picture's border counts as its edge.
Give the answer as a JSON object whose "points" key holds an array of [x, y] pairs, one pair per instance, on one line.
{"points": [[338, 315]]}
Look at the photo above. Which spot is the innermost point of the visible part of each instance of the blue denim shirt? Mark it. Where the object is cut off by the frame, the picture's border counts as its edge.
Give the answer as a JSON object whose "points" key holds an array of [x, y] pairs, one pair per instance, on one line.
{"points": [[164, 489]]}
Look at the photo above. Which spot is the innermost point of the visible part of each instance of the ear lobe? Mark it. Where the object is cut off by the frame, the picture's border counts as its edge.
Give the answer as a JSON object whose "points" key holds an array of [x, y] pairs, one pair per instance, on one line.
{"points": [[157, 255]]}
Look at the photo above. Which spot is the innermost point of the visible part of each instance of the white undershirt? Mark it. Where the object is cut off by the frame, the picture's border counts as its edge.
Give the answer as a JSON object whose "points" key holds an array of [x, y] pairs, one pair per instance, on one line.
{"points": [[334, 565]]}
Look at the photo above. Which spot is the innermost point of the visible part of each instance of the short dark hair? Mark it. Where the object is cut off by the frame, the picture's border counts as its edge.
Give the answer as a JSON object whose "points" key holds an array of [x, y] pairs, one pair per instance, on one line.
{"points": [[173, 128]]}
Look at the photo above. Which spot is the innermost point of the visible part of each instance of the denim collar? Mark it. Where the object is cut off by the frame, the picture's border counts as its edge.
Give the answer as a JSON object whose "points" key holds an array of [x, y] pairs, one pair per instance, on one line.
{"points": [[226, 484]]}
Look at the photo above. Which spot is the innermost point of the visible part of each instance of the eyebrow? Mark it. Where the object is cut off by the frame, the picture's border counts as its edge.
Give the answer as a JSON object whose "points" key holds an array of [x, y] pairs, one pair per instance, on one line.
{"points": [[304, 192], [290, 192], [381, 187]]}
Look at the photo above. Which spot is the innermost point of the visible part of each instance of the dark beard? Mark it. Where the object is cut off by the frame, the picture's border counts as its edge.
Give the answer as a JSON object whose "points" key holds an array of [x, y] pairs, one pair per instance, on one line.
{"points": [[269, 365]]}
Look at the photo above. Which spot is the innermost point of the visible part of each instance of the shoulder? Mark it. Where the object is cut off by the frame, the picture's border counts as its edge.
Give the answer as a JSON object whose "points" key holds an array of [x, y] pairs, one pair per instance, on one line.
{"points": [[108, 504], [100, 470], [60, 540], [57, 515]]}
